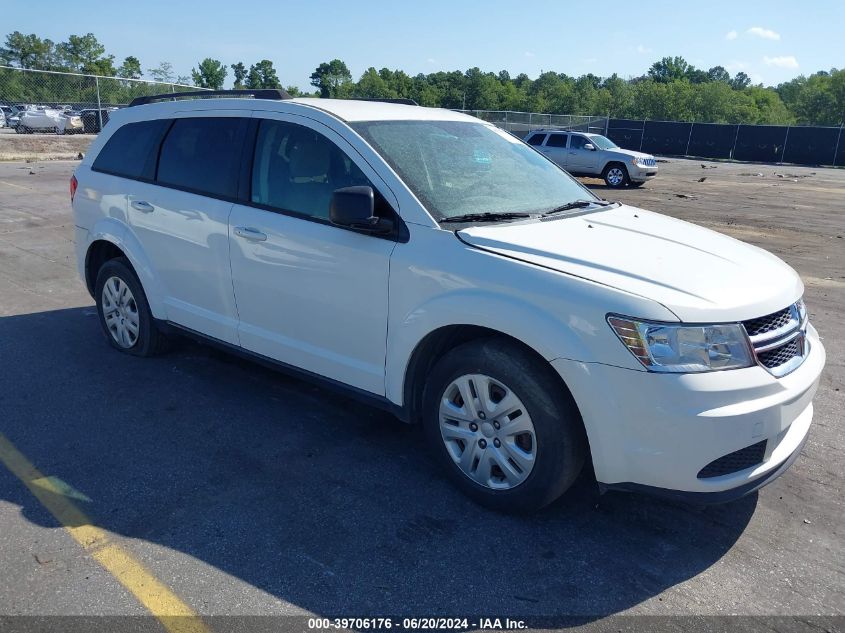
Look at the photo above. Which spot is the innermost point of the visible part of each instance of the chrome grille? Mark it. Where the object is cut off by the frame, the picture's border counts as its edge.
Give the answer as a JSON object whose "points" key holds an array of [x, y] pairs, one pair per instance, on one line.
{"points": [[768, 323], [780, 355], [648, 162], [779, 339]]}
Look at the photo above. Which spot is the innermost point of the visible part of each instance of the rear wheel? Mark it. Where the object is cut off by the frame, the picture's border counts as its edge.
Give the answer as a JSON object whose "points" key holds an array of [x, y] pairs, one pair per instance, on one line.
{"points": [[615, 175], [124, 312], [503, 427]]}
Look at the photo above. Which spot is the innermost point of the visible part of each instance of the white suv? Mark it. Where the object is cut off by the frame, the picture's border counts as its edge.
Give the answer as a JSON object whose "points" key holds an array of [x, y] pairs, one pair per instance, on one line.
{"points": [[434, 265], [586, 154]]}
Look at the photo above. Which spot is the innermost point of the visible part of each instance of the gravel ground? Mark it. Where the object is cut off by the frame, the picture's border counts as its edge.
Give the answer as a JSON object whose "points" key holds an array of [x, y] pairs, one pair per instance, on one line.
{"points": [[32, 147], [248, 492]]}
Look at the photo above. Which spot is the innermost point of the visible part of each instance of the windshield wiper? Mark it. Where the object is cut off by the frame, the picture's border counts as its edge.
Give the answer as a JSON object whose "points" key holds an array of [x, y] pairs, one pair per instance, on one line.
{"points": [[578, 204], [483, 217]]}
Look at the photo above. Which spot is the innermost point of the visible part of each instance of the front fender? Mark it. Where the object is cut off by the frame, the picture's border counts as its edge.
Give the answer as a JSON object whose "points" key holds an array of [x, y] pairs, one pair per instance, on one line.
{"points": [[541, 331]]}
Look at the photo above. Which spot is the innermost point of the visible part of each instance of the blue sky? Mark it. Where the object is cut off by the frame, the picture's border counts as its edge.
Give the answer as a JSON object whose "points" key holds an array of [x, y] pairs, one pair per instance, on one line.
{"points": [[770, 41]]}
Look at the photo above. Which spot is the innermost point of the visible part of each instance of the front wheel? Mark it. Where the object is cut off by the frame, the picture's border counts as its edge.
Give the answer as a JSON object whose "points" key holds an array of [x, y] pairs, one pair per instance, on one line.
{"points": [[615, 175], [502, 426]]}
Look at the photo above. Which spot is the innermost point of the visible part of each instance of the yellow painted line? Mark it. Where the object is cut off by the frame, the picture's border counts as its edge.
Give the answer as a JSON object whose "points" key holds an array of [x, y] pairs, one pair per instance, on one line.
{"points": [[157, 598]]}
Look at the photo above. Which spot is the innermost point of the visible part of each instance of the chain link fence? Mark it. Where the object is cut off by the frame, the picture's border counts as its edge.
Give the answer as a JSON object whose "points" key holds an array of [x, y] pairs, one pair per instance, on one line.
{"points": [[521, 123], [35, 101]]}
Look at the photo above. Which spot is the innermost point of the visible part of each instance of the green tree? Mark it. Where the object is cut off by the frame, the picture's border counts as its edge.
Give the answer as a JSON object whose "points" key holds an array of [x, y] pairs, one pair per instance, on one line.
{"points": [[740, 81], [130, 68], [240, 73], [718, 73], [331, 78], [163, 72], [372, 86], [209, 73], [84, 53], [669, 69], [28, 51], [262, 75]]}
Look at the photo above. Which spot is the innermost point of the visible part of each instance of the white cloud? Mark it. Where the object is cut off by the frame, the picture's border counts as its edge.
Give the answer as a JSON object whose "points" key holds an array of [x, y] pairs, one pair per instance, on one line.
{"points": [[783, 61], [529, 54], [642, 49], [766, 34], [590, 60], [731, 35], [431, 60], [734, 66]]}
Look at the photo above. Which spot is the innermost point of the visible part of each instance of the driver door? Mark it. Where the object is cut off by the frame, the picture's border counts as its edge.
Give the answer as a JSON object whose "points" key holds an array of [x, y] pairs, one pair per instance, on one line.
{"points": [[579, 159], [310, 294]]}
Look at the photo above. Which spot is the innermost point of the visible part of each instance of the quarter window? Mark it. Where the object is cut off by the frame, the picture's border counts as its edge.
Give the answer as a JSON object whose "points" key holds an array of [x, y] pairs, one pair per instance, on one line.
{"points": [[202, 155], [297, 169], [131, 151], [556, 140]]}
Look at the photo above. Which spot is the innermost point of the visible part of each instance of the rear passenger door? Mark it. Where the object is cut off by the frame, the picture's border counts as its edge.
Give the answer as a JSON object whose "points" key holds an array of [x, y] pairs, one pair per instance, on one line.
{"points": [[309, 293], [181, 219], [555, 148]]}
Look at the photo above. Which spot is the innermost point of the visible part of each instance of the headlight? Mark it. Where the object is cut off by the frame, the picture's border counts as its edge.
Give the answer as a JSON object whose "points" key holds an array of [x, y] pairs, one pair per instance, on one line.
{"points": [[678, 348], [638, 160]]}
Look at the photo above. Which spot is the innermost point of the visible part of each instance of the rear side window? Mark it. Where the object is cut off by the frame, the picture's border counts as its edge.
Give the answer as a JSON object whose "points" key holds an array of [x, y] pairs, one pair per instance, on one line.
{"points": [[556, 140], [536, 139], [202, 155], [131, 151]]}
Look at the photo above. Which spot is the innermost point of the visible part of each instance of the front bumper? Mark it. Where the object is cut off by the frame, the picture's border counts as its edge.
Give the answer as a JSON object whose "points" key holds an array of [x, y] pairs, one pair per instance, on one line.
{"points": [[639, 173], [655, 432]]}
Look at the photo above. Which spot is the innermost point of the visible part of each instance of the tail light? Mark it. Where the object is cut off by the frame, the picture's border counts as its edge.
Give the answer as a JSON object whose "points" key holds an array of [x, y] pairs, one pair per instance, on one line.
{"points": [[73, 185]]}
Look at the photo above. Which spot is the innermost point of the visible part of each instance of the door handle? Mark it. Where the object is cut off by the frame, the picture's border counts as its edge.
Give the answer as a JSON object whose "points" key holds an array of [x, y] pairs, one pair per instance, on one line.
{"points": [[250, 234], [143, 207]]}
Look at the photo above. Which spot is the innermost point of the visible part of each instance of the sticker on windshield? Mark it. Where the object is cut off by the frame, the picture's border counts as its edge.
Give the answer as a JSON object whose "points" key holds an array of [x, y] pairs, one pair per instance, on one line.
{"points": [[481, 156]]}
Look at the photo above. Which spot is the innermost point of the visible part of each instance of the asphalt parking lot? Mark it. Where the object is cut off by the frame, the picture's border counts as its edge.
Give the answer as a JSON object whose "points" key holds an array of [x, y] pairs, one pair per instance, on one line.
{"points": [[247, 492]]}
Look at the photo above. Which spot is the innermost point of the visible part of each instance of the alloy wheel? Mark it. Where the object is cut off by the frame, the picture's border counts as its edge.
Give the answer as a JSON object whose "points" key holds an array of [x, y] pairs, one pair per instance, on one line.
{"points": [[615, 176]]}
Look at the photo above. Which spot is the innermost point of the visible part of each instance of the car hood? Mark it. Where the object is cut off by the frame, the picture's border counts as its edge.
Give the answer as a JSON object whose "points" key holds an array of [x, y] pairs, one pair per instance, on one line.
{"points": [[628, 152], [700, 275]]}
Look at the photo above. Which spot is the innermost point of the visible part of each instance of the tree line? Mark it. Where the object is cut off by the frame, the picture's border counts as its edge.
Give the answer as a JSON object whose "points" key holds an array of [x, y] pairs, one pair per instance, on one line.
{"points": [[672, 89]]}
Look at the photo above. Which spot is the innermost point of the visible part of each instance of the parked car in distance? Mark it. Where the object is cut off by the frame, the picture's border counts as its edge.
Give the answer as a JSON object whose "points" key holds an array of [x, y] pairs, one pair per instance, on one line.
{"points": [[587, 154], [70, 122], [6, 112], [41, 120], [91, 118], [432, 264]]}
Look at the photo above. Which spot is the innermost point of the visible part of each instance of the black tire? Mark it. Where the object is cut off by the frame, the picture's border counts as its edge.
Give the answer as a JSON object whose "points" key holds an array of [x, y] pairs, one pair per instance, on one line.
{"points": [[609, 171], [636, 184], [560, 438], [150, 341]]}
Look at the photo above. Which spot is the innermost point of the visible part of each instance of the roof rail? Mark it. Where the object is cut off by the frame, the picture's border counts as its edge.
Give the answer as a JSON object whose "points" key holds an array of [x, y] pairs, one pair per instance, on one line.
{"points": [[386, 100], [263, 93]]}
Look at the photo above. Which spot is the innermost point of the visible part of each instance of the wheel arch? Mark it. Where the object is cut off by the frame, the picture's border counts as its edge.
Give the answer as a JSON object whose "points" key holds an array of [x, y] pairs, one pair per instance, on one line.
{"points": [[436, 344], [111, 241]]}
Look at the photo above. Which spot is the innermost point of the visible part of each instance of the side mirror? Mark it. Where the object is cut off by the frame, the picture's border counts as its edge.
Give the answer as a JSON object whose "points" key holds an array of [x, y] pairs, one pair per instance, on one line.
{"points": [[590, 147], [353, 207]]}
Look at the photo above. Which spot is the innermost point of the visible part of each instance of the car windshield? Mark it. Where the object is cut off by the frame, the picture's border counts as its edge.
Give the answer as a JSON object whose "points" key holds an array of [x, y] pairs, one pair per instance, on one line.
{"points": [[456, 168], [602, 142]]}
